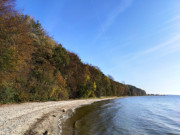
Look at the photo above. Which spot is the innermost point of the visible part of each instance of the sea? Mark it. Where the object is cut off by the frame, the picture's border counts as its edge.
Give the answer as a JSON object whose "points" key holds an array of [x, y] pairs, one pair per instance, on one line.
{"points": [[144, 115]]}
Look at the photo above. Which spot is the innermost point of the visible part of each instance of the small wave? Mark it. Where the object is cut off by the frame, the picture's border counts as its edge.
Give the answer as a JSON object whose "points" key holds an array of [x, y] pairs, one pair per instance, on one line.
{"points": [[64, 117]]}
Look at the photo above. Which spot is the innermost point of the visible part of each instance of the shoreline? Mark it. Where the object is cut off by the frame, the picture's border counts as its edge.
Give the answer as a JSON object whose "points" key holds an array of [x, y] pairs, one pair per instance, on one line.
{"points": [[37, 118]]}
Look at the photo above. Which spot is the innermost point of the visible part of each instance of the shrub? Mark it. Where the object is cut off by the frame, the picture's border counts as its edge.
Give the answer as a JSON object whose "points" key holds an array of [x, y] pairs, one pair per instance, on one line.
{"points": [[7, 94]]}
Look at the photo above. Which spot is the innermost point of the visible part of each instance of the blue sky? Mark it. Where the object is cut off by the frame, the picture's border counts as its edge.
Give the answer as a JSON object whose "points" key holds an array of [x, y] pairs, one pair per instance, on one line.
{"points": [[135, 41]]}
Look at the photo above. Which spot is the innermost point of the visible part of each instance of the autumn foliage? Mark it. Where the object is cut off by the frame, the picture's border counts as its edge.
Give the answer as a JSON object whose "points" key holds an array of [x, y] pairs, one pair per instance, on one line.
{"points": [[33, 67]]}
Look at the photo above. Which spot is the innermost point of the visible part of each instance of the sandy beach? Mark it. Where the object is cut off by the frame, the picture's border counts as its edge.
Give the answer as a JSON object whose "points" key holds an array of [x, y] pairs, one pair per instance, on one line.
{"points": [[37, 118]]}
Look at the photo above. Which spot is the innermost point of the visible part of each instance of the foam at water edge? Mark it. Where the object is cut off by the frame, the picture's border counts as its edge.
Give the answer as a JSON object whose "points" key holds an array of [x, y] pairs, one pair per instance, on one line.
{"points": [[64, 117]]}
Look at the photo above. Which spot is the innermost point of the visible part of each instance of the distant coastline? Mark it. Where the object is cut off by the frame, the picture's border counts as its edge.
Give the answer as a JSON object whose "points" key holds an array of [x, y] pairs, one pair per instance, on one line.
{"points": [[156, 95]]}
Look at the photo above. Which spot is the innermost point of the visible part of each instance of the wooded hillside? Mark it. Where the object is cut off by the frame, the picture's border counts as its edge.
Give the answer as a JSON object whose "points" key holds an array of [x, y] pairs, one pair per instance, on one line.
{"points": [[33, 67]]}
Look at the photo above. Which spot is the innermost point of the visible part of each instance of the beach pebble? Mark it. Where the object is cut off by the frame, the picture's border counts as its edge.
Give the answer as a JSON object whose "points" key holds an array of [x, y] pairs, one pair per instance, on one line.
{"points": [[54, 115], [45, 133]]}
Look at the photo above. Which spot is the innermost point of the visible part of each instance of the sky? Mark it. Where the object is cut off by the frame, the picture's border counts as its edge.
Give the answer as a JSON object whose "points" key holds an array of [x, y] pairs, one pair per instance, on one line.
{"points": [[135, 41]]}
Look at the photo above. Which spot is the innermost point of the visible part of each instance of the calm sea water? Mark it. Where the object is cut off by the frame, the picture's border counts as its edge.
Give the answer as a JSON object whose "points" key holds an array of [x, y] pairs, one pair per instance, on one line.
{"points": [[149, 115]]}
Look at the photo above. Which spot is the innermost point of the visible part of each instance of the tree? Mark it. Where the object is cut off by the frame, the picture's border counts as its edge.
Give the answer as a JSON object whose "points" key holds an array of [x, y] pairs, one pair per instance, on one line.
{"points": [[110, 77], [60, 57]]}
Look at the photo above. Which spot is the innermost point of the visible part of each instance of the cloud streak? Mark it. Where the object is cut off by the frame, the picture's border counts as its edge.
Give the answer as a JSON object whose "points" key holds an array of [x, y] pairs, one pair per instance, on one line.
{"points": [[174, 19], [156, 48], [160, 50], [112, 16]]}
